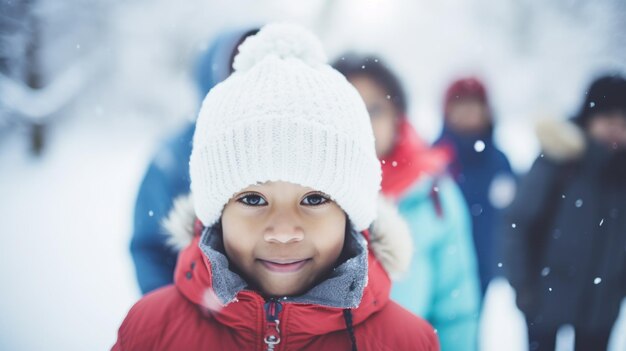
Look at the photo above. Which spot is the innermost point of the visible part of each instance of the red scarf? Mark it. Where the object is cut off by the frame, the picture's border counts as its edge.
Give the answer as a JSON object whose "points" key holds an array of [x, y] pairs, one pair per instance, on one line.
{"points": [[410, 159]]}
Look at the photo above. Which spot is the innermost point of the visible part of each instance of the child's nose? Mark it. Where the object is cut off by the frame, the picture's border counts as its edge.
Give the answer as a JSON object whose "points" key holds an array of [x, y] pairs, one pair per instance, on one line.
{"points": [[284, 236], [284, 229]]}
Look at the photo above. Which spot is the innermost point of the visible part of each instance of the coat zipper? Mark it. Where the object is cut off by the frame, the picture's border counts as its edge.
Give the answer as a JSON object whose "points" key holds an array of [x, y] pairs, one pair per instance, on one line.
{"points": [[272, 330]]}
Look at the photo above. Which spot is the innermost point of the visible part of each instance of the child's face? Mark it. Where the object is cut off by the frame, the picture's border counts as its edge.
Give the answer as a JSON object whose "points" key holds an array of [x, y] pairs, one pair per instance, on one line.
{"points": [[609, 129], [283, 237], [383, 114], [468, 116]]}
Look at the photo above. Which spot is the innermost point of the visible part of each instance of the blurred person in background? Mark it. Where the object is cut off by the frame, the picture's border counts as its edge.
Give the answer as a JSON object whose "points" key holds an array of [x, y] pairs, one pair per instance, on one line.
{"points": [[480, 169], [566, 228], [167, 176], [442, 283]]}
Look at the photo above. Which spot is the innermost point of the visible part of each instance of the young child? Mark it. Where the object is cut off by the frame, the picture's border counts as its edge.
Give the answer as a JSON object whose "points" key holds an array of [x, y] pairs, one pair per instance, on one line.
{"points": [[442, 284], [285, 180]]}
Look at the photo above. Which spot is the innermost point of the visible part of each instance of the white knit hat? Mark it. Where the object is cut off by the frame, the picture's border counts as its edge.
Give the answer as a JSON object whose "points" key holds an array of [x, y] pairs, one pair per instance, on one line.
{"points": [[284, 115]]}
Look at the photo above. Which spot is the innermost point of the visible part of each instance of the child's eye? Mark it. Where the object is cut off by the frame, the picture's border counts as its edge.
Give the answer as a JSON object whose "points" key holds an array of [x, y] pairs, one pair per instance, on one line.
{"points": [[252, 200], [314, 200]]}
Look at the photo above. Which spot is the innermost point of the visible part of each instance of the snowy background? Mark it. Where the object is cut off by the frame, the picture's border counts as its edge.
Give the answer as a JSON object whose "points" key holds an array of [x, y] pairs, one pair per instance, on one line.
{"points": [[115, 80]]}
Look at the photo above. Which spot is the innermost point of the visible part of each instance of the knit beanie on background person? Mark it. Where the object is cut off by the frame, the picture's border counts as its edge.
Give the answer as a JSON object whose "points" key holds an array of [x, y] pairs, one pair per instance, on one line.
{"points": [[606, 94], [284, 115], [465, 88]]}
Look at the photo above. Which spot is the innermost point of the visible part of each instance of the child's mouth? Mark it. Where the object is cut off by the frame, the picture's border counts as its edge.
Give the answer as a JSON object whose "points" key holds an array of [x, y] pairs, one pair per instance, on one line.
{"points": [[288, 266]]}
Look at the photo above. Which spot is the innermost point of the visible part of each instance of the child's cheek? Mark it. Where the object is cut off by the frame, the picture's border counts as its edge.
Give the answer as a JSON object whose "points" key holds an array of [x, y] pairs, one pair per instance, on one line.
{"points": [[239, 237], [239, 249], [329, 241]]}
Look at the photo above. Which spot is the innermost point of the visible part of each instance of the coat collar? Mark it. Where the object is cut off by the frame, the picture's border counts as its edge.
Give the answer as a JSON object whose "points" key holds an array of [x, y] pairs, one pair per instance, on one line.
{"points": [[343, 288]]}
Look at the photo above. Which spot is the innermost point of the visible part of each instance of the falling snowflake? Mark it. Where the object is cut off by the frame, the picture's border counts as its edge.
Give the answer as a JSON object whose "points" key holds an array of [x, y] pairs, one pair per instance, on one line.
{"points": [[479, 146], [597, 281]]}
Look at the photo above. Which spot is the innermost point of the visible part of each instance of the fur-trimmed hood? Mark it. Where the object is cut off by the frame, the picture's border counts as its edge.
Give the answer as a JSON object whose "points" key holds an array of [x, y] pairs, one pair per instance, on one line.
{"points": [[565, 142], [561, 141], [390, 239]]}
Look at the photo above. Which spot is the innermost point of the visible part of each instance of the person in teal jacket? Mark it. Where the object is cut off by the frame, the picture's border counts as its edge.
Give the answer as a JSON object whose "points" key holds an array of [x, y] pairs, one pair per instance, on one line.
{"points": [[442, 284]]}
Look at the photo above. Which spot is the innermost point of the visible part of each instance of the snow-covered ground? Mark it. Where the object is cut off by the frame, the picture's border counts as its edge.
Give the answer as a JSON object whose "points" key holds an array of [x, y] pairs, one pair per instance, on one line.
{"points": [[67, 278], [65, 217]]}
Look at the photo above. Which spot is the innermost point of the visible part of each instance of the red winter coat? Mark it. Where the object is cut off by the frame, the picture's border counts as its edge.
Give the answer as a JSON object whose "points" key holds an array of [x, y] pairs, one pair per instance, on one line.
{"points": [[189, 315]]}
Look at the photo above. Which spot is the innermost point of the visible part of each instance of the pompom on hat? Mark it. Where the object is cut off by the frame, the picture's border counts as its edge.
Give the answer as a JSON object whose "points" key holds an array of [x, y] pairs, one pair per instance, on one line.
{"points": [[284, 115], [281, 41]]}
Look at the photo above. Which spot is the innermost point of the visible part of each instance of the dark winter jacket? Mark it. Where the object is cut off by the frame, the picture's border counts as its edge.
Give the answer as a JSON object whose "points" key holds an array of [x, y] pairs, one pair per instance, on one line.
{"points": [[566, 233], [167, 177], [211, 308], [488, 184]]}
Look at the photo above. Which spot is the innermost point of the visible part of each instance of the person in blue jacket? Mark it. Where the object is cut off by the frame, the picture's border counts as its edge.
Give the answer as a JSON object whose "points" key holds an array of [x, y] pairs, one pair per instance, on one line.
{"points": [[442, 284], [167, 176], [480, 169]]}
